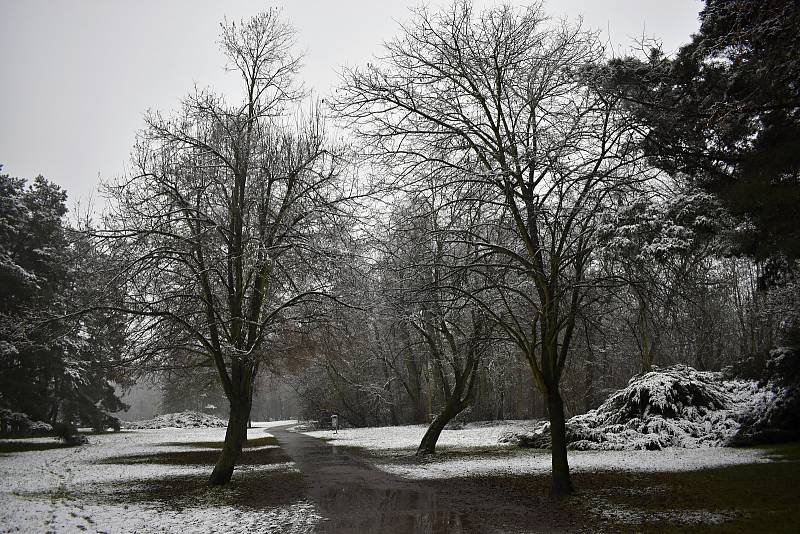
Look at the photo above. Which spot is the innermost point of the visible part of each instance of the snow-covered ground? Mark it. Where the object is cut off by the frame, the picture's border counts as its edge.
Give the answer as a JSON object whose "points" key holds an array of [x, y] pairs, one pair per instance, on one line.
{"points": [[474, 435], [84, 488], [117, 482], [179, 420], [475, 451], [539, 462]]}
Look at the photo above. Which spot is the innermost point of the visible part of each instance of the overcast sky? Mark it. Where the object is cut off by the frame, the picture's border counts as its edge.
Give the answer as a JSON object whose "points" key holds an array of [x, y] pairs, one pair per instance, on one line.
{"points": [[77, 76]]}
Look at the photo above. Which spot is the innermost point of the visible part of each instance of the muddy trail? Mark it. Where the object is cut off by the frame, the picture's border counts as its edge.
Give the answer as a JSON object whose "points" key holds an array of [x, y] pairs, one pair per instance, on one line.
{"points": [[354, 497]]}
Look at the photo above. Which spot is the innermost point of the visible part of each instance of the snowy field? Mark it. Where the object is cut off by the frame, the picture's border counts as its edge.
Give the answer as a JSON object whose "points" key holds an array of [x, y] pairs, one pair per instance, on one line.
{"points": [[106, 486], [153, 480], [473, 435], [475, 451]]}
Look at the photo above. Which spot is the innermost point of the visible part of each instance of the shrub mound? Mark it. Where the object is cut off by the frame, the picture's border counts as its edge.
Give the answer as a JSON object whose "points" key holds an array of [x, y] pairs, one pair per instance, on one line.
{"points": [[69, 435], [671, 407], [21, 425], [777, 417], [179, 420]]}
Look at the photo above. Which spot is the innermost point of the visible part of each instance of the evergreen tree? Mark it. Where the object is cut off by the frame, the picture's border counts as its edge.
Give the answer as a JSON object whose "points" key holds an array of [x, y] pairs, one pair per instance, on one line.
{"points": [[725, 112], [59, 351]]}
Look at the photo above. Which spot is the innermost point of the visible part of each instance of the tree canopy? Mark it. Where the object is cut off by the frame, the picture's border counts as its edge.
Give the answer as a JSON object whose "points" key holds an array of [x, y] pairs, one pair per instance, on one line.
{"points": [[55, 365], [725, 114]]}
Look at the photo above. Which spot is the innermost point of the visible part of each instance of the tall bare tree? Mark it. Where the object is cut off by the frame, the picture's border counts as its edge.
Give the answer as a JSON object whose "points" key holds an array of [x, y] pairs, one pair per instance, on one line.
{"points": [[224, 230], [452, 329], [508, 102], [453, 326]]}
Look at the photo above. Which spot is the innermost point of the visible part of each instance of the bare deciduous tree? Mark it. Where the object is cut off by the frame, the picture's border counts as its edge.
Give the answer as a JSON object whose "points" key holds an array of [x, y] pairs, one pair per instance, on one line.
{"points": [[224, 231], [507, 102], [453, 328]]}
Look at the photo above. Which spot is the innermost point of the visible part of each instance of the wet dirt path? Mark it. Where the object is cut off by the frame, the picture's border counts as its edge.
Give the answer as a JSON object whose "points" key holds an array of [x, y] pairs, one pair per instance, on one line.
{"points": [[357, 498]]}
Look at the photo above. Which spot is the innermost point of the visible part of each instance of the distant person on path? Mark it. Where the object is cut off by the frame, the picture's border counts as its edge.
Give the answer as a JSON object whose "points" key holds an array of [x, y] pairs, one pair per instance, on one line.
{"points": [[335, 424]]}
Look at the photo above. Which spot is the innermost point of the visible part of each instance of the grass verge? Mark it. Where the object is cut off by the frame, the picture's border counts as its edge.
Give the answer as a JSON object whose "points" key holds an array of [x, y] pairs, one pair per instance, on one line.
{"points": [[746, 498]]}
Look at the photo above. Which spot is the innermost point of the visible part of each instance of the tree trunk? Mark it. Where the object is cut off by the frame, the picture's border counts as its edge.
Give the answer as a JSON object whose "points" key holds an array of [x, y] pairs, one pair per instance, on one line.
{"points": [[53, 416], [588, 382], [646, 346], [428, 443], [562, 484], [501, 414], [235, 437]]}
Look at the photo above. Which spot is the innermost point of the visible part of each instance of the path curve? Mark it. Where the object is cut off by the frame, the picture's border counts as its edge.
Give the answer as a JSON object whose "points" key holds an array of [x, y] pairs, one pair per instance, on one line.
{"points": [[354, 497]]}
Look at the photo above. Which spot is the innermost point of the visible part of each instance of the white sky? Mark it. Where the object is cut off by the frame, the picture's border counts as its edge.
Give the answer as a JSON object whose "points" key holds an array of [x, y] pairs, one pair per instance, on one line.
{"points": [[76, 77]]}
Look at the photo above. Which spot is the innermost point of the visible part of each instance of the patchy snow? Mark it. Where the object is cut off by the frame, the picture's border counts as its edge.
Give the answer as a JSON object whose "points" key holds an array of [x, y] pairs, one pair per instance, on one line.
{"points": [[529, 461], [621, 514], [673, 419], [473, 435], [179, 420], [84, 488], [672, 407], [392, 450]]}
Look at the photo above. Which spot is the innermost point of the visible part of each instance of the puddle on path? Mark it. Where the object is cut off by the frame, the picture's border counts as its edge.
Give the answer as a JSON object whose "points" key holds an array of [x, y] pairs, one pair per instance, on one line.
{"points": [[356, 498]]}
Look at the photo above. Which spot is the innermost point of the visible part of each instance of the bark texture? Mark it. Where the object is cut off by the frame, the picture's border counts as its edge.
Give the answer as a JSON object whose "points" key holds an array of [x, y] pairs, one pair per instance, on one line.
{"points": [[562, 483], [428, 444], [235, 438]]}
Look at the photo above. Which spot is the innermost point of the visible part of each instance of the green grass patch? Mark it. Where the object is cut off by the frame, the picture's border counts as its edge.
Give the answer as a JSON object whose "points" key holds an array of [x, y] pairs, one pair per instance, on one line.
{"points": [[247, 490], [8, 447], [459, 453], [408, 454], [782, 451], [251, 443], [759, 497], [251, 455], [740, 498], [735, 499], [59, 494]]}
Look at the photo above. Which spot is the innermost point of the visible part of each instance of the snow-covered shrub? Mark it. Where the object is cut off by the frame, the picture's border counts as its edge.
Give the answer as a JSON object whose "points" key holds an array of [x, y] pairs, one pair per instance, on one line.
{"points": [[783, 366], [672, 407], [20, 424], [776, 417], [40, 427], [180, 420], [679, 392]]}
